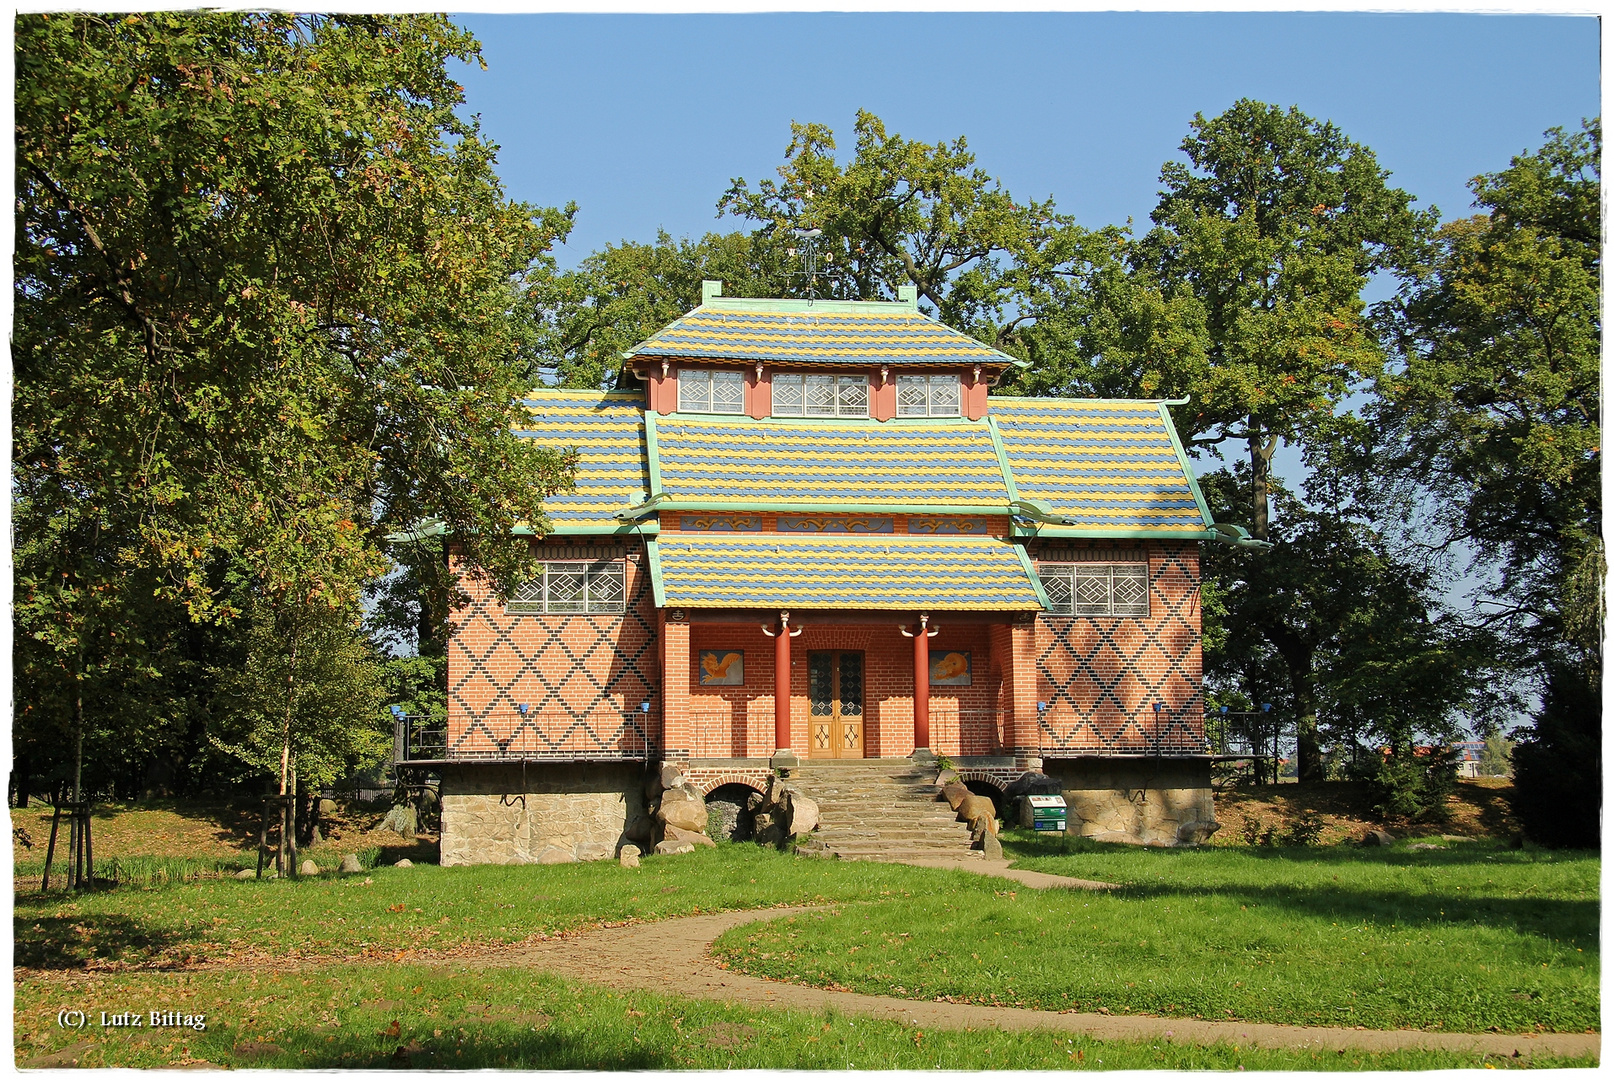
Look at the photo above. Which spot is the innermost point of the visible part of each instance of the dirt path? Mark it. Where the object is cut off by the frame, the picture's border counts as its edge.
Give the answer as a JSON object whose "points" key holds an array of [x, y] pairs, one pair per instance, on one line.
{"points": [[660, 955]]}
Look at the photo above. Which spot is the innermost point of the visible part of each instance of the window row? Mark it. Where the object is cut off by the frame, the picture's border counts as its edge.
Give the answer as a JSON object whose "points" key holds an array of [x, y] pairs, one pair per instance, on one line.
{"points": [[703, 390], [1090, 589], [571, 588]]}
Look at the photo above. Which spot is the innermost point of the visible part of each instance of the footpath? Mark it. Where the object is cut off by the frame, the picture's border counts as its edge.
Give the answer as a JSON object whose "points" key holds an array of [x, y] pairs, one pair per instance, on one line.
{"points": [[674, 954]]}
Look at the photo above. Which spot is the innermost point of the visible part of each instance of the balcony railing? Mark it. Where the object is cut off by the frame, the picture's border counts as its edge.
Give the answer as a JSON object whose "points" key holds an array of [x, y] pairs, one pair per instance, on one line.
{"points": [[535, 735]]}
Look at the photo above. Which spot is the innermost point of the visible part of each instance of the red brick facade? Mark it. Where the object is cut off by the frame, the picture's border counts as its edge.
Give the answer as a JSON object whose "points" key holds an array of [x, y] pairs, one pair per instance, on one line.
{"points": [[583, 677]]}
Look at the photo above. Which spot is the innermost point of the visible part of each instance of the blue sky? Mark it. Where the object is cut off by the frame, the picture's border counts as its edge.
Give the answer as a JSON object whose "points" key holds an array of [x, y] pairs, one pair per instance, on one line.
{"points": [[643, 120]]}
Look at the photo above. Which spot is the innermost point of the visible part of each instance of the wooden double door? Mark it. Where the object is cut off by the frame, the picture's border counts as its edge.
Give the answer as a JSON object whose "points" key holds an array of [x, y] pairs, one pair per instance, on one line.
{"points": [[835, 696]]}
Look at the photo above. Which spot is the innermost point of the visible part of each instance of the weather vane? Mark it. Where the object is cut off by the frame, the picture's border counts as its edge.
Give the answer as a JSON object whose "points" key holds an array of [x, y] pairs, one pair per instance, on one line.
{"points": [[809, 243]]}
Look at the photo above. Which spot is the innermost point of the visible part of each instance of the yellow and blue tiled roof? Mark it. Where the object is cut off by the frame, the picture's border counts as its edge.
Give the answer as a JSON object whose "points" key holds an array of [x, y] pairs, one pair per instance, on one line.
{"points": [[612, 469], [1108, 466], [725, 570], [762, 463], [827, 333]]}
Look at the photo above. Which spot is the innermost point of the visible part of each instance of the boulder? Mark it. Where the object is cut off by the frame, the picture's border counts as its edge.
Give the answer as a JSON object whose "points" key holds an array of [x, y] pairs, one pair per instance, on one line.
{"points": [[977, 808], [629, 856], [689, 836], [723, 820], [1191, 833], [593, 852], [327, 807], [350, 865], [309, 868], [553, 856], [754, 801], [766, 829], [955, 793], [801, 814], [1377, 838], [671, 776], [1033, 783], [946, 776], [403, 864], [1116, 836], [991, 847], [674, 847], [243, 875], [682, 806], [640, 828]]}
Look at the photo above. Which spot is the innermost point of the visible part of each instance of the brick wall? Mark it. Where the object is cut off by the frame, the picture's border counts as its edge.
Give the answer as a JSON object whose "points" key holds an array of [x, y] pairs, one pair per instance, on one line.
{"points": [[1102, 676], [579, 675]]}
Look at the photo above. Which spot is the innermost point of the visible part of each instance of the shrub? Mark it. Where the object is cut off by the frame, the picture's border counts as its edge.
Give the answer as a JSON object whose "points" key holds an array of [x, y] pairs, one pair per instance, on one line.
{"points": [[1412, 784], [1305, 830], [1557, 767]]}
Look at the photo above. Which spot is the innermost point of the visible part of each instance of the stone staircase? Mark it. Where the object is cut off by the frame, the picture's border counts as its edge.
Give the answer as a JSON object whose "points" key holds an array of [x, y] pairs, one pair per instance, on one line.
{"points": [[879, 809]]}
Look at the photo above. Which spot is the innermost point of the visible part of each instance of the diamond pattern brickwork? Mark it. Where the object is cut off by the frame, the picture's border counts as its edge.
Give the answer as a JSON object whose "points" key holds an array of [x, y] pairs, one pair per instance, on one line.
{"points": [[582, 677], [1101, 677]]}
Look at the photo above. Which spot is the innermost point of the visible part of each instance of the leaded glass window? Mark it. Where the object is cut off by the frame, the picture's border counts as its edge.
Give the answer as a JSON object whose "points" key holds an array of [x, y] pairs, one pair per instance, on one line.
{"points": [[928, 395], [1096, 588], [572, 588], [702, 390], [820, 395]]}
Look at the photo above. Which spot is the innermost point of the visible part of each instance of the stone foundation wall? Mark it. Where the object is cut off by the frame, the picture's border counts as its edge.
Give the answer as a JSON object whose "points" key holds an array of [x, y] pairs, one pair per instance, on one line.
{"points": [[558, 813], [1148, 800]]}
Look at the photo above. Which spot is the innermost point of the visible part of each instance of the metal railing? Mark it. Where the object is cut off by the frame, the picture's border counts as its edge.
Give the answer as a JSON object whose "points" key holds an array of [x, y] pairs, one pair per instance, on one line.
{"points": [[613, 735], [1159, 733]]}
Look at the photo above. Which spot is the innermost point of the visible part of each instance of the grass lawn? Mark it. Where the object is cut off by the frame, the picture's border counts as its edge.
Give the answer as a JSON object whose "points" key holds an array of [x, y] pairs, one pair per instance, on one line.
{"points": [[378, 1016], [1467, 938], [1472, 937]]}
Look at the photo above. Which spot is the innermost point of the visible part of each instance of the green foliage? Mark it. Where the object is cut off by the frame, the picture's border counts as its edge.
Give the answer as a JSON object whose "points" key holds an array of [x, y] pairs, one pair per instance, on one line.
{"points": [[901, 212], [1497, 758], [619, 296], [1411, 783], [1557, 767], [1304, 830], [307, 698], [1495, 407], [266, 293]]}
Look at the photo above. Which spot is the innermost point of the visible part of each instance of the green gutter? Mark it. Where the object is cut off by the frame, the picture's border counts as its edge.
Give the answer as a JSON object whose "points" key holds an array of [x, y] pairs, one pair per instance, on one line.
{"points": [[1031, 573], [853, 422], [652, 452], [1003, 458], [1182, 459], [653, 556], [437, 528]]}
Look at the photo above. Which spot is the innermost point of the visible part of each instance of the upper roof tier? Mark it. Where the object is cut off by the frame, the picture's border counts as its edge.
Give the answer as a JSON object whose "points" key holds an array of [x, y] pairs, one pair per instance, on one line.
{"points": [[842, 333]]}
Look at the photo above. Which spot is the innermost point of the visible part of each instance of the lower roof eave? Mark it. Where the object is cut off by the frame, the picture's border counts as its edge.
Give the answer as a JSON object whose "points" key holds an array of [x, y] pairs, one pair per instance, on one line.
{"points": [[802, 614]]}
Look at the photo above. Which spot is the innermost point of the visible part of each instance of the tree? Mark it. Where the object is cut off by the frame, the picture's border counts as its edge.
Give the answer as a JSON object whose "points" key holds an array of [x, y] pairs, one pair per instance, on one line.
{"points": [[1337, 632], [1245, 297], [1495, 408], [903, 212], [267, 294], [619, 296]]}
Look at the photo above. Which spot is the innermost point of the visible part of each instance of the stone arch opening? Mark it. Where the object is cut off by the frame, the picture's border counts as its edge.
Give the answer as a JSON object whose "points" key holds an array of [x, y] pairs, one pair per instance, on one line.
{"points": [[728, 812]]}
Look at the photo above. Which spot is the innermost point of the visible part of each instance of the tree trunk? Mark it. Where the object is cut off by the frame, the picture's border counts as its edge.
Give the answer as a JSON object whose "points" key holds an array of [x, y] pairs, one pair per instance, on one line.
{"points": [[1261, 451], [1308, 750]]}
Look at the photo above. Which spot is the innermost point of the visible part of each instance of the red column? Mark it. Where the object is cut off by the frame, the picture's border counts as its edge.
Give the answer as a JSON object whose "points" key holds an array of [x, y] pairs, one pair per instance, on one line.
{"points": [[921, 686], [781, 684]]}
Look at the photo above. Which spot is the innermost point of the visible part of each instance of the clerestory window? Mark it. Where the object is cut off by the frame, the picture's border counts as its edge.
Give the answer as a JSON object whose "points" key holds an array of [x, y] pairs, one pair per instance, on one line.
{"points": [[704, 390], [571, 588], [1096, 588], [927, 395], [820, 395]]}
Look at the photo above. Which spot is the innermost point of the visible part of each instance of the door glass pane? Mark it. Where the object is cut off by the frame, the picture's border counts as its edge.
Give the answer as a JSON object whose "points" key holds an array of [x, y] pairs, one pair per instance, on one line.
{"points": [[851, 684], [821, 683]]}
